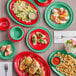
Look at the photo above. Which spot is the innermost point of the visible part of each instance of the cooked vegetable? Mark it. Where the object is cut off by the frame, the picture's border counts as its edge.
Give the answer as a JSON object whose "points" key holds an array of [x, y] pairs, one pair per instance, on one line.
{"points": [[39, 34], [43, 41], [22, 10], [34, 39]]}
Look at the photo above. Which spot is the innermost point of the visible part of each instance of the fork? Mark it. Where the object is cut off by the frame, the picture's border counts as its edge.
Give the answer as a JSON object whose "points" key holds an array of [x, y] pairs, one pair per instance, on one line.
{"points": [[6, 69]]}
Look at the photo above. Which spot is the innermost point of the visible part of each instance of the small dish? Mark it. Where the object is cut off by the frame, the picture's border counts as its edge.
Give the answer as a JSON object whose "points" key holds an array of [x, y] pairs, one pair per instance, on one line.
{"points": [[4, 23], [16, 33], [56, 61], [32, 15], [13, 49], [42, 1]]}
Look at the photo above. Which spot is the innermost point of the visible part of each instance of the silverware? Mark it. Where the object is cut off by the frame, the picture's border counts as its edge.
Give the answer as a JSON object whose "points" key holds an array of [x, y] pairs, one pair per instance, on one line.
{"points": [[6, 69], [60, 37]]}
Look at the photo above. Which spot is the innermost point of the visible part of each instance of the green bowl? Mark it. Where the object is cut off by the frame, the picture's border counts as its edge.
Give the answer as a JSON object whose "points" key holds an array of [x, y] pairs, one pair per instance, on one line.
{"points": [[42, 1], [16, 33], [53, 63]]}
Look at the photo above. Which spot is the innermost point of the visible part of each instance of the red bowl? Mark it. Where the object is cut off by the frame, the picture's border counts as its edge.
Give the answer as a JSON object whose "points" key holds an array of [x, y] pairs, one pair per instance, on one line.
{"points": [[13, 14], [4, 23], [13, 39], [44, 3], [41, 61]]}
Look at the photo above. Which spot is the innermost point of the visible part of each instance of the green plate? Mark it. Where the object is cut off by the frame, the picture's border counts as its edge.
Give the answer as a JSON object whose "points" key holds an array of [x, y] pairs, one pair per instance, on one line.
{"points": [[27, 41], [52, 55], [13, 49], [18, 21], [58, 5]]}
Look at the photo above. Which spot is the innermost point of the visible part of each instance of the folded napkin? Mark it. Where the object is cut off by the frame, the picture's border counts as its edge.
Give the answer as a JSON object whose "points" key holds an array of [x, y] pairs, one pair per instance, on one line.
{"points": [[63, 36], [2, 70]]}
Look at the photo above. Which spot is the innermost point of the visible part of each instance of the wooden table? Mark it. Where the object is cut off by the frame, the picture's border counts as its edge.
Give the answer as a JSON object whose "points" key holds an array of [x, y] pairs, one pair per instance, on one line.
{"points": [[21, 46]]}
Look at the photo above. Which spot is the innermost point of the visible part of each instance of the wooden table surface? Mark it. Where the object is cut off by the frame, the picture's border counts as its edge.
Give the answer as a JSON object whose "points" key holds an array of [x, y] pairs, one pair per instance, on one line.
{"points": [[21, 46]]}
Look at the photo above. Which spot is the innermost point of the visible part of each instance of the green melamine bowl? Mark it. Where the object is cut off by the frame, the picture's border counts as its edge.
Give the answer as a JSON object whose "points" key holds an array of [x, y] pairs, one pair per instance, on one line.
{"points": [[16, 33]]}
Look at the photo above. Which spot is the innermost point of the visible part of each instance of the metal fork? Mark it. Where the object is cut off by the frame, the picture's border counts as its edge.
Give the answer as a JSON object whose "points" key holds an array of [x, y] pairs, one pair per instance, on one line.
{"points": [[6, 69]]}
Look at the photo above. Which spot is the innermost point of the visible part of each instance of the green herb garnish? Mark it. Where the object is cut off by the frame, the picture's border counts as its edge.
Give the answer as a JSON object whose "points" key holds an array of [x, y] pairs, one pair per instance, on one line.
{"points": [[68, 41]]}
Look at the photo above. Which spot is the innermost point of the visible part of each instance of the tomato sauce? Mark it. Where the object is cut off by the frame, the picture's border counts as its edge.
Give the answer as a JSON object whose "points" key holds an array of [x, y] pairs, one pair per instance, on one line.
{"points": [[56, 60]]}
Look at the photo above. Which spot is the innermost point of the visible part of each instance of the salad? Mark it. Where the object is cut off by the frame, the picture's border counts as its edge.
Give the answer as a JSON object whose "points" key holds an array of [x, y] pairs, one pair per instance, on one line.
{"points": [[59, 15], [70, 46], [24, 11]]}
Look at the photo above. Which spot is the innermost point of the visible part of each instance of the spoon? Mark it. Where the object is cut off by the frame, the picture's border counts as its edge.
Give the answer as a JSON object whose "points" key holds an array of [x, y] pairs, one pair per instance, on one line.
{"points": [[6, 69]]}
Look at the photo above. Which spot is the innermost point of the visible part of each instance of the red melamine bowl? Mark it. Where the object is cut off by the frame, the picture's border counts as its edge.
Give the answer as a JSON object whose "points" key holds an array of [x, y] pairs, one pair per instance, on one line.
{"points": [[29, 23], [44, 3], [19, 39], [32, 55], [4, 23]]}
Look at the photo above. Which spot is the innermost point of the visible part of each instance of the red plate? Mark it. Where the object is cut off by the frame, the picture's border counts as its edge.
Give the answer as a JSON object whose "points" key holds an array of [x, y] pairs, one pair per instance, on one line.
{"points": [[39, 46], [32, 55], [29, 23], [43, 4]]}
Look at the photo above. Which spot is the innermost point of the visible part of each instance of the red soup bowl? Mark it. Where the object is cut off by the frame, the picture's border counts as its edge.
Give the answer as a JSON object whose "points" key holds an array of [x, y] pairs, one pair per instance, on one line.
{"points": [[4, 24]]}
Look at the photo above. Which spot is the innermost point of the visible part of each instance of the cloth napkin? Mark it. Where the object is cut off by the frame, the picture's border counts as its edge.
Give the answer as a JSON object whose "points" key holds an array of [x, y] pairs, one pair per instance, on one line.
{"points": [[2, 70], [67, 35]]}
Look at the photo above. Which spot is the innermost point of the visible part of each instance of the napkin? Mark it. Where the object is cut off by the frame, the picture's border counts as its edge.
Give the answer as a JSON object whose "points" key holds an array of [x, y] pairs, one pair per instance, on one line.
{"points": [[2, 70], [66, 36]]}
